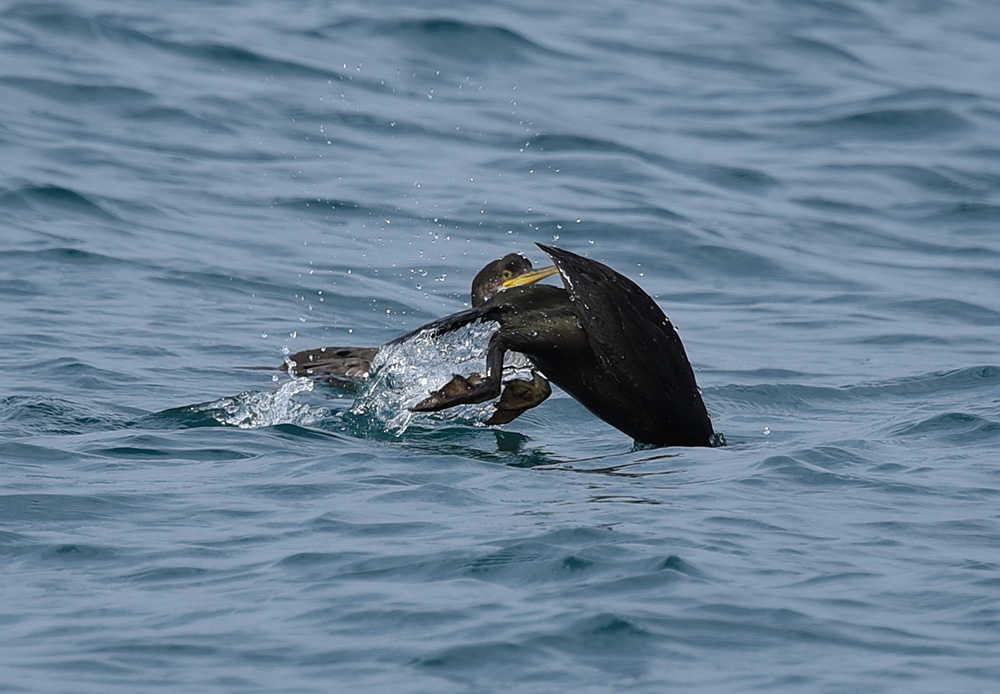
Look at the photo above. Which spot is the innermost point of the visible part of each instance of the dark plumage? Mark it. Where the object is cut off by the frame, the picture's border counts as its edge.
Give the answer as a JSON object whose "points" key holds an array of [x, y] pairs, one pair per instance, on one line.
{"points": [[601, 338], [343, 366]]}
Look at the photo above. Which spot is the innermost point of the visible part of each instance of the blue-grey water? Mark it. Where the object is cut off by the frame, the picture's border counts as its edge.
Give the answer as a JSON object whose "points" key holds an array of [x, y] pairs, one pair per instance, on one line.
{"points": [[811, 190]]}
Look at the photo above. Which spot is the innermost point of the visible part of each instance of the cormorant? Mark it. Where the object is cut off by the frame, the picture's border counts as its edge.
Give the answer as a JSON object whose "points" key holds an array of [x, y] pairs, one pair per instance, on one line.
{"points": [[601, 338]]}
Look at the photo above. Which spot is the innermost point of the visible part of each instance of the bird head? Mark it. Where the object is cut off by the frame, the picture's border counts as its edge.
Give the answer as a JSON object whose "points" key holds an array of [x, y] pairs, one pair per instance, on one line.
{"points": [[513, 270]]}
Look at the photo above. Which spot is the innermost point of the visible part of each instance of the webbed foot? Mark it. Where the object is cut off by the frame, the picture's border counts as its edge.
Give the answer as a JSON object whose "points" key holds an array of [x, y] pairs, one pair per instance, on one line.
{"points": [[460, 390], [518, 396]]}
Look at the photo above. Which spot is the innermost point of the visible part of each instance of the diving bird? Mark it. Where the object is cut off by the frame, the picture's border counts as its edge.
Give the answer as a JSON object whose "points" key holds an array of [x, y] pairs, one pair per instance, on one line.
{"points": [[601, 338]]}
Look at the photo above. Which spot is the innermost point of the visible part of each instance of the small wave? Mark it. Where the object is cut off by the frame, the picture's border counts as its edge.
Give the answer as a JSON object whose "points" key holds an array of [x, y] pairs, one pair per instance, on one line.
{"points": [[792, 396], [478, 43], [561, 142], [738, 178], [969, 211], [51, 415], [51, 197], [818, 467], [80, 93], [938, 381], [949, 310], [894, 123], [955, 427], [238, 58], [826, 51], [159, 115], [71, 22]]}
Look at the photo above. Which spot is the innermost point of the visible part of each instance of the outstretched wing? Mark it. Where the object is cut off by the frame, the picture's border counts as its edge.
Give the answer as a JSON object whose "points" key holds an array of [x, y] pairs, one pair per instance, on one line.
{"points": [[345, 367], [348, 366], [443, 325], [631, 337]]}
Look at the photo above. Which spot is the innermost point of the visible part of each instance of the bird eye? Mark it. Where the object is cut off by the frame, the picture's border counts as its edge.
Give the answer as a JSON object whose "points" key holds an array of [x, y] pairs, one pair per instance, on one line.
{"points": [[507, 274]]}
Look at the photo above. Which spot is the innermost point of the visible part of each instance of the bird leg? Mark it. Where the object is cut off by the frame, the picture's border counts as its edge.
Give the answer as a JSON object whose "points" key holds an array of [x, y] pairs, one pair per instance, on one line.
{"points": [[519, 396], [472, 389]]}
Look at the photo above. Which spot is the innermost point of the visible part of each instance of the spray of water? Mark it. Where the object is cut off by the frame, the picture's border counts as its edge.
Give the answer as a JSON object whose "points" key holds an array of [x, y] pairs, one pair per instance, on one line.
{"points": [[403, 374], [253, 409]]}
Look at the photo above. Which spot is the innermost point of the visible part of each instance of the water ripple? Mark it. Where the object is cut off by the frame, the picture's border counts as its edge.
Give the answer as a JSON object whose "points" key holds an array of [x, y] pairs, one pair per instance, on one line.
{"points": [[809, 189]]}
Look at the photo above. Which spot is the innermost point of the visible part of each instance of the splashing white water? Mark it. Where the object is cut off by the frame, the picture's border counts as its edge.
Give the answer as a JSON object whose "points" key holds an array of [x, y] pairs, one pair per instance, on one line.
{"points": [[404, 374], [401, 376], [251, 410]]}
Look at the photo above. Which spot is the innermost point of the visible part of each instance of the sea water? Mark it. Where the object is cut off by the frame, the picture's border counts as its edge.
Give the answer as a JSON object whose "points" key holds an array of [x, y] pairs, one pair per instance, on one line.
{"points": [[809, 190]]}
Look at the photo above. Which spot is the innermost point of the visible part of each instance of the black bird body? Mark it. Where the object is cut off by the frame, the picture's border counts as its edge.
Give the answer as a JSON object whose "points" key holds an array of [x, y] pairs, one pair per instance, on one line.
{"points": [[604, 341], [601, 338], [636, 376]]}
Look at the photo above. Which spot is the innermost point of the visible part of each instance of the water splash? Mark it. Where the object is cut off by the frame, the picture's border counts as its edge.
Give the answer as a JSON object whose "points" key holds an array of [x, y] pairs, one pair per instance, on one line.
{"points": [[255, 409], [403, 374]]}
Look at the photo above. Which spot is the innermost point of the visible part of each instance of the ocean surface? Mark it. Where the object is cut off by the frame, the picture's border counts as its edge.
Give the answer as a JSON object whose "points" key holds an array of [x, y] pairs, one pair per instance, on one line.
{"points": [[810, 190]]}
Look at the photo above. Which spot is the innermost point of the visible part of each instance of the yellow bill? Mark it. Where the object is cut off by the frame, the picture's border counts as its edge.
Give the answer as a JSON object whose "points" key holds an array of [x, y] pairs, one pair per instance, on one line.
{"points": [[530, 277]]}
